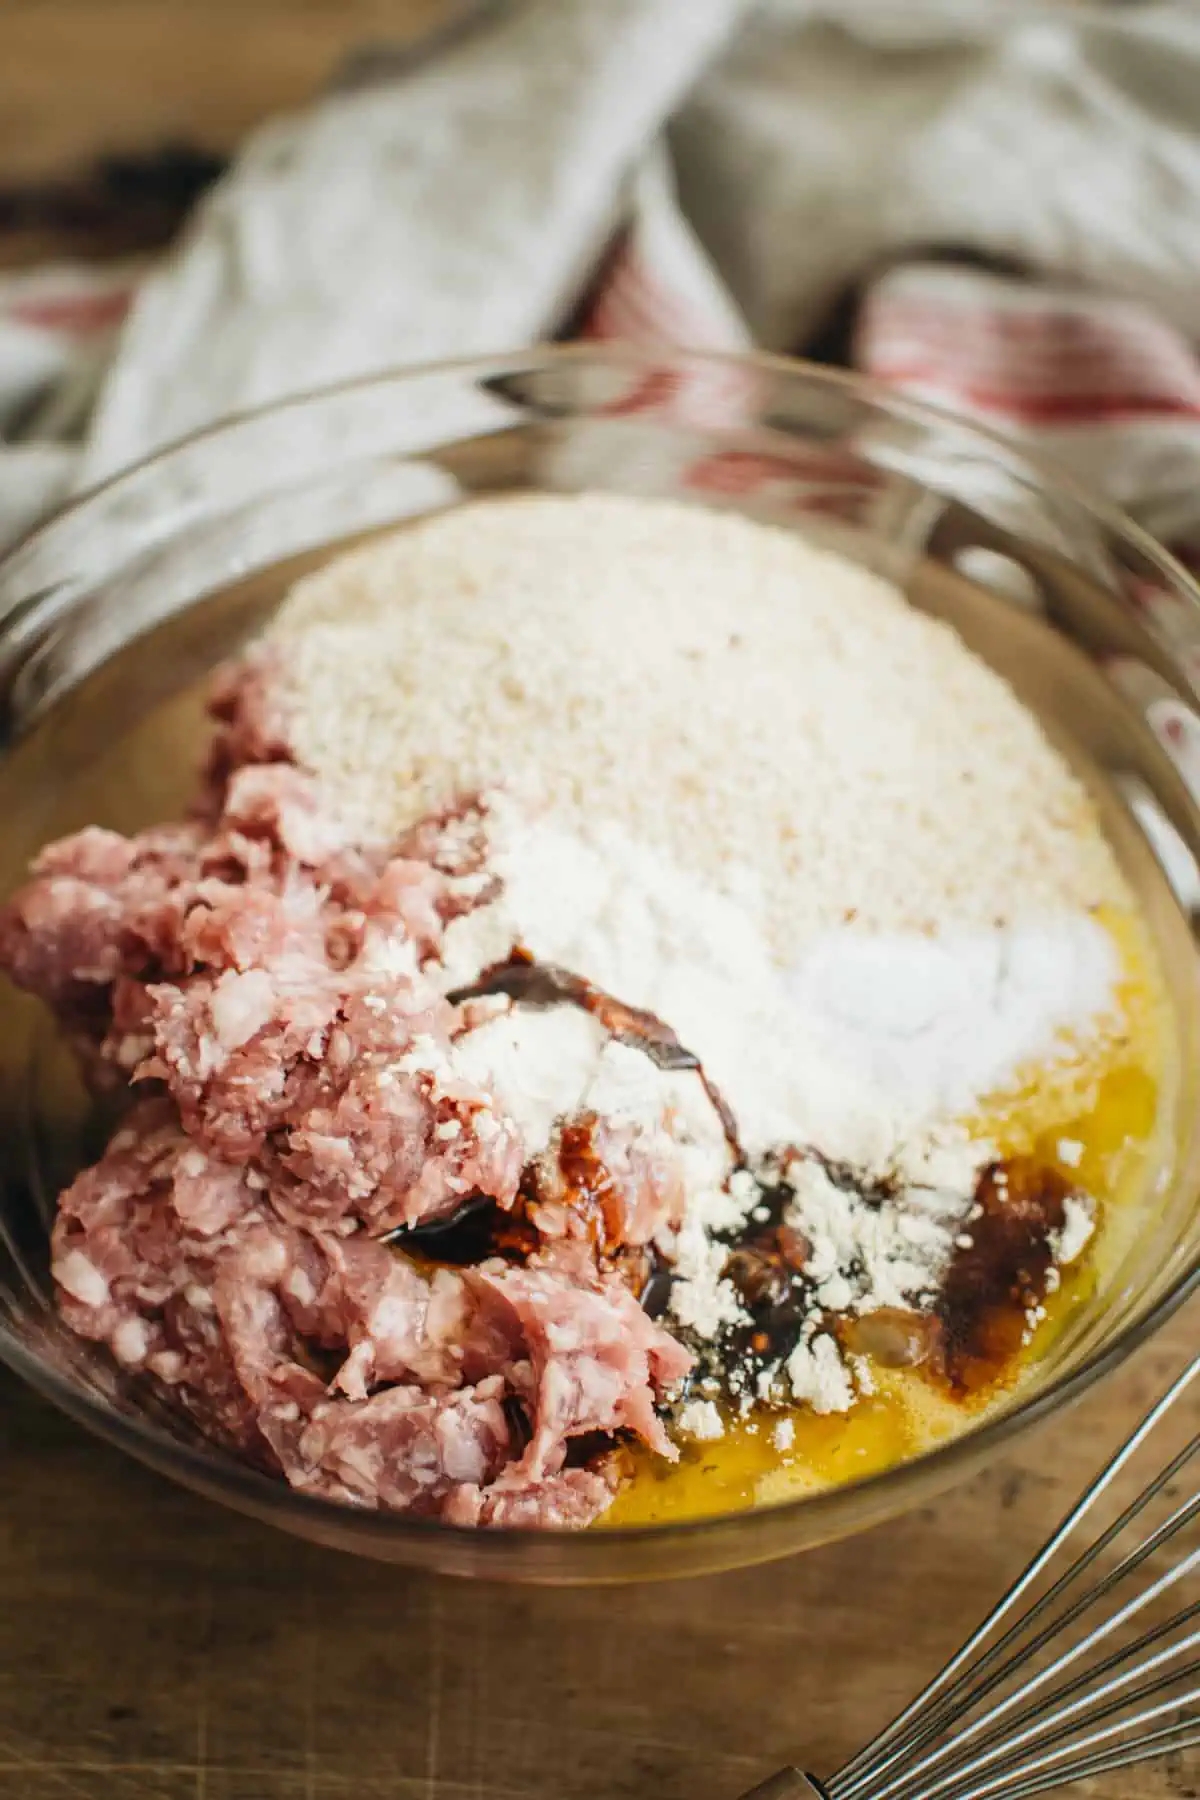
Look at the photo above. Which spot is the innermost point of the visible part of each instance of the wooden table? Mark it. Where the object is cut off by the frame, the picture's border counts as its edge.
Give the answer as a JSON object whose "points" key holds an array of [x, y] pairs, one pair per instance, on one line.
{"points": [[78, 77], [153, 1646]]}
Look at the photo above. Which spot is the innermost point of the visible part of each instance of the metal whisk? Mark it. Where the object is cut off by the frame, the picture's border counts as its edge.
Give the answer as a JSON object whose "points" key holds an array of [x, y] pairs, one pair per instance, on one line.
{"points": [[1087, 1678]]}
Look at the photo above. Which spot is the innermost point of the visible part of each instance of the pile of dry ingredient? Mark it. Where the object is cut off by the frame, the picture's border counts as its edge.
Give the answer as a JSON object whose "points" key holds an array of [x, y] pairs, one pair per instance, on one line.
{"points": [[564, 1021]]}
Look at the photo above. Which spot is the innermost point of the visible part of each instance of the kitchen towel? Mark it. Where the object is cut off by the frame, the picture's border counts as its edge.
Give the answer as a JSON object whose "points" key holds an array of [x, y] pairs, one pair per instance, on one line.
{"points": [[714, 173]]}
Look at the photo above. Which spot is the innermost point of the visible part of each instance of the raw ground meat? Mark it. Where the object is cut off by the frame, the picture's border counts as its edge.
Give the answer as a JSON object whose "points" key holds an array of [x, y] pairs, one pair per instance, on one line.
{"points": [[604, 1183], [341, 1088], [334, 1359], [572, 1498], [267, 988], [594, 1359]]}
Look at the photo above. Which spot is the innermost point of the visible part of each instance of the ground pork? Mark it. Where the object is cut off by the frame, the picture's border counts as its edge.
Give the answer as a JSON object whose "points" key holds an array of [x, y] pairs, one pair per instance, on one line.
{"points": [[335, 1361], [340, 1089], [262, 875], [585, 1358], [265, 986], [276, 996], [605, 1183], [569, 1499]]}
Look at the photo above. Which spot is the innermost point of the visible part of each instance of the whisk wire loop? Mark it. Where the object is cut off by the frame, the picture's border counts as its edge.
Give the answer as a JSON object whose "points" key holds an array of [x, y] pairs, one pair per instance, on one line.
{"points": [[1030, 1702], [1049, 1714], [1056, 1768], [925, 1717], [1066, 1659]]}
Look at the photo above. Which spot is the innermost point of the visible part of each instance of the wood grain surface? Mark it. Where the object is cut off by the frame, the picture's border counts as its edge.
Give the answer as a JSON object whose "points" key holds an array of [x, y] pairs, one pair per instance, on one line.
{"points": [[105, 101], [153, 1647], [83, 77]]}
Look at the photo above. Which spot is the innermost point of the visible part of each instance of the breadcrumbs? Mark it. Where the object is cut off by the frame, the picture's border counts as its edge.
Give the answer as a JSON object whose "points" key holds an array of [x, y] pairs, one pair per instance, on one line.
{"points": [[769, 715]]}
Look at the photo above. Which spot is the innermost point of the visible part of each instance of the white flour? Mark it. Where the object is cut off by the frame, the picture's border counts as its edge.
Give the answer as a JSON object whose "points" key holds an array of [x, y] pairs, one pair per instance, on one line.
{"points": [[863, 1048], [758, 710], [866, 1049]]}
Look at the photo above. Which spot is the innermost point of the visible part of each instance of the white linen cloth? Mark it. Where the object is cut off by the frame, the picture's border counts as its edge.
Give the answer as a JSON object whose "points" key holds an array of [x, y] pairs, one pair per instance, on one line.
{"points": [[748, 160]]}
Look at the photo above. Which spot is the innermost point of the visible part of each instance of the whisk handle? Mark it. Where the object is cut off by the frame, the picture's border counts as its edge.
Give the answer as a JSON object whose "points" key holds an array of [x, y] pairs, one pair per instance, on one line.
{"points": [[787, 1784]]}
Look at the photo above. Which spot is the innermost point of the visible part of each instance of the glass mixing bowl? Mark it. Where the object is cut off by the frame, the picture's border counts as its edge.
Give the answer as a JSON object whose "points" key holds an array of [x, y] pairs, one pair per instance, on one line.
{"points": [[113, 613]]}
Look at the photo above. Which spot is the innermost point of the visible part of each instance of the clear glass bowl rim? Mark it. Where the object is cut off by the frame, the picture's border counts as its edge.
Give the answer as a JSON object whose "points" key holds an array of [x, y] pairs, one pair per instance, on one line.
{"points": [[220, 1476]]}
